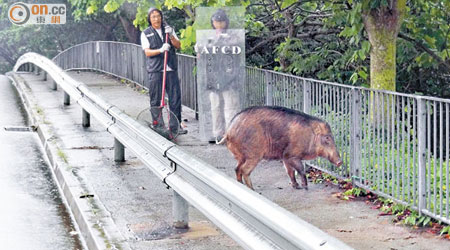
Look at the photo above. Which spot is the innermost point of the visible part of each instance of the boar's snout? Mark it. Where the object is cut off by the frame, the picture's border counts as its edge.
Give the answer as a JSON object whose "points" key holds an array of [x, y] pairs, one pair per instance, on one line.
{"points": [[335, 158], [330, 150]]}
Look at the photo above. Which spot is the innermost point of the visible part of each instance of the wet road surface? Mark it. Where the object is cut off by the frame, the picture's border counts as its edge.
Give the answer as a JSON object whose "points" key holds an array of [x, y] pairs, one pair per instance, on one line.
{"points": [[32, 214]]}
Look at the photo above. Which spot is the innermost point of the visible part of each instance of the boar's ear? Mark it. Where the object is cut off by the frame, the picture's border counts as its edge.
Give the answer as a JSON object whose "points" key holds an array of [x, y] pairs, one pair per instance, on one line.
{"points": [[326, 139], [317, 128], [320, 128]]}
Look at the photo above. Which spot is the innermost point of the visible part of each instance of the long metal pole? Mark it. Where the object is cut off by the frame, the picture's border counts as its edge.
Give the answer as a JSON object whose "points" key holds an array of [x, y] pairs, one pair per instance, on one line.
{"points": [[355, 164], [269, 89], [422, 137]]}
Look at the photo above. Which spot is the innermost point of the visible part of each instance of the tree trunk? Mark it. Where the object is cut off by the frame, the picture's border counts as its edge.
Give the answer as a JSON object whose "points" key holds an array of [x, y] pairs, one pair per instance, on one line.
{"points": [[131, 32], [284, 62], [382, 25]]}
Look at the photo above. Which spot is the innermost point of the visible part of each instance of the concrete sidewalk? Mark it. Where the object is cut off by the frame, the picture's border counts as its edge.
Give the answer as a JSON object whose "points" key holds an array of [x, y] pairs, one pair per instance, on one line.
{"points": [[124, 206]]}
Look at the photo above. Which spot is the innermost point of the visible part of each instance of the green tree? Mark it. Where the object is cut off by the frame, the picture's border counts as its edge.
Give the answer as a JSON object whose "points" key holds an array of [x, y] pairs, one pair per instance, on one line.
{"points": [[47, 40], [330, 42], [424, 49], [111, 13], [326, 39], [318, 39]]}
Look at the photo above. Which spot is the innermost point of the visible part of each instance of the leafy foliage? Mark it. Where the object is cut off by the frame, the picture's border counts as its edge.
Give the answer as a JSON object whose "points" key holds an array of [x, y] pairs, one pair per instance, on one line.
{"points": [[329, 42], [47, 40], [322, 39]]}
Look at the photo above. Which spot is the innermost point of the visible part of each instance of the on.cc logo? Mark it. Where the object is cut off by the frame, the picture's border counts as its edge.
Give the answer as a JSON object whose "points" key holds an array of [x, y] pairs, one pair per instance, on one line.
{"points": [[18, 13]]}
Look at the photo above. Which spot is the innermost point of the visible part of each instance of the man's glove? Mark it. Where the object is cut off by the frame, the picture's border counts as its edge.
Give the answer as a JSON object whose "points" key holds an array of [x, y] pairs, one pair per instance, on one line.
{"points": [[168, 30], [165, 47]]}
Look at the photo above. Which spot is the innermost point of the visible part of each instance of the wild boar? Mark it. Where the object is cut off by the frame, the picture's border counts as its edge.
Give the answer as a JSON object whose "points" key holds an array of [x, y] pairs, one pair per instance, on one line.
{"points": [[274, 133]]}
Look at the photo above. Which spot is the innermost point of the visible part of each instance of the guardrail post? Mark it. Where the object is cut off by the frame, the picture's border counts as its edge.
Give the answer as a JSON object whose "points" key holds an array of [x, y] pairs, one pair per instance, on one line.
{"points": [[66, 98], [36, 70], [119, 151], [45, 75], [269, 89], [306, 97], [86, 119], [421, 137], [180, 210], [355, 135]]}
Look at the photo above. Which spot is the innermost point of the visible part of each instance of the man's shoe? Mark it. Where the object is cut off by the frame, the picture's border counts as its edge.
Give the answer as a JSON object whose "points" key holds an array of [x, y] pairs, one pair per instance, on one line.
{"points": [[218, 139], [182, 131]]}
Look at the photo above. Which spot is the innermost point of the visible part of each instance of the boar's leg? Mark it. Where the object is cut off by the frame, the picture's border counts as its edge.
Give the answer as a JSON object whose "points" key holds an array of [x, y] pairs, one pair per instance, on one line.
{"points": [[301, 170], [238, 170], [288, 164], [246, 169], [292, 165]]}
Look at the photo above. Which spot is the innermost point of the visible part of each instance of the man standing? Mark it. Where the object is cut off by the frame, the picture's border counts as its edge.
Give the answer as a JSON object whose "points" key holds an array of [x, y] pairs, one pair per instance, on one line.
{"points": [[154, 46], [220, 72]]}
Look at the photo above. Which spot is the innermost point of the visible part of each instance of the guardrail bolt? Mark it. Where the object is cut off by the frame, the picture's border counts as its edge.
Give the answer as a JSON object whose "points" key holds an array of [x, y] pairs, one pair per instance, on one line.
{"points": [[180, 209]]}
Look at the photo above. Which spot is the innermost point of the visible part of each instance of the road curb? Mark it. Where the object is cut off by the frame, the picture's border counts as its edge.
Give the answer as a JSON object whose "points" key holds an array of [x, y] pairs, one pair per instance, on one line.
{"points": [[97, 227]]}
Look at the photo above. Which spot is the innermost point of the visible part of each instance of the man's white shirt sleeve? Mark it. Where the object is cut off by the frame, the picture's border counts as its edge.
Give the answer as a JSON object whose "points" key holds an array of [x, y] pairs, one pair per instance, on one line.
{"points": [[146, 44]]}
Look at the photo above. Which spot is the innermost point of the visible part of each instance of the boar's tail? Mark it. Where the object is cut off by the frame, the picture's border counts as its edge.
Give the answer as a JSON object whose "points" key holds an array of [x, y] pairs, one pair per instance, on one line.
{"points": [[224, 139]]}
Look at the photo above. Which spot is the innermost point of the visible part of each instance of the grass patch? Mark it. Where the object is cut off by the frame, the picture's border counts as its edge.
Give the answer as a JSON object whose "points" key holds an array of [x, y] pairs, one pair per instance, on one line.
{"points": [[62, 156]]}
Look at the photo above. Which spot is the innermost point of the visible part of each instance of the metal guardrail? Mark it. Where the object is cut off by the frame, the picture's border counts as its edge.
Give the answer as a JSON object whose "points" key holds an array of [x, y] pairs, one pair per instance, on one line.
{"points": [[394, 144], [250, 219]]}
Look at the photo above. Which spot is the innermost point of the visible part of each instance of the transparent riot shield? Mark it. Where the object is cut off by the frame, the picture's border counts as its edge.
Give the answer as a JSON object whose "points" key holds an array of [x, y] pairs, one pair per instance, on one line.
{"points": [[220, 69]]}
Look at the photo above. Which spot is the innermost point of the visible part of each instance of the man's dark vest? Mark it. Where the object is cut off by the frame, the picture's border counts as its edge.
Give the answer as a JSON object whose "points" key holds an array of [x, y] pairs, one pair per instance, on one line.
{"points": [[156, 63]]}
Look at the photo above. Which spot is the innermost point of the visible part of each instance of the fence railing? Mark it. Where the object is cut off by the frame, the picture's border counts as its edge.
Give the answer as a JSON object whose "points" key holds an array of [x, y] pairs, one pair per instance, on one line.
{"points": [[126, 61], [393, 144], [250, 219]]}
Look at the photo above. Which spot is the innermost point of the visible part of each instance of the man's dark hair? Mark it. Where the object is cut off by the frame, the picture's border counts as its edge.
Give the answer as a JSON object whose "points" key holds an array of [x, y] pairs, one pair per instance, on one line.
{"points": [[163, 24], [220, 16]]}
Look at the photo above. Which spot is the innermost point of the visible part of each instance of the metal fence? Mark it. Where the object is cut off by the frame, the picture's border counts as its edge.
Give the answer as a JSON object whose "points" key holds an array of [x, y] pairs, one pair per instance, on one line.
{"points": [[393, 144], [126, 61]]}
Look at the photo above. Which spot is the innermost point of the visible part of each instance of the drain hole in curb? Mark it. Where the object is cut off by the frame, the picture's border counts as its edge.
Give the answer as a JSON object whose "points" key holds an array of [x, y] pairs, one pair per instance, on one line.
{"points": [[17, 129], [86, 196]]}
